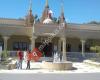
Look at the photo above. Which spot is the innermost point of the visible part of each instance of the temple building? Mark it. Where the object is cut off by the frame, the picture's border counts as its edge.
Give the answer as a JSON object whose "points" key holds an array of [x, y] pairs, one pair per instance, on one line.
{"points": [[29, 33]]}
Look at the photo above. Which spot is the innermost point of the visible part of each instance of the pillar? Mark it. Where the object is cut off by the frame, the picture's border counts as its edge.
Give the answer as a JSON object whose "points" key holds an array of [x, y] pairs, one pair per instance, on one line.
{"points": [[64, 58], [59, 46], [33, 42], [83, 47], [5, 42]]}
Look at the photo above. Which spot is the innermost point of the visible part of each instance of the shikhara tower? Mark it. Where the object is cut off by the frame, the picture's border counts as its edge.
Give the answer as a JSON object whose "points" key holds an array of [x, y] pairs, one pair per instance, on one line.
{"points": [[29, 18]]}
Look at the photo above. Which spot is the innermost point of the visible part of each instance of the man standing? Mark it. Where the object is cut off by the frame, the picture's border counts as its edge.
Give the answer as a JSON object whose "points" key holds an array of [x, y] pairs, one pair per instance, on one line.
{"points": [[29, 57]]}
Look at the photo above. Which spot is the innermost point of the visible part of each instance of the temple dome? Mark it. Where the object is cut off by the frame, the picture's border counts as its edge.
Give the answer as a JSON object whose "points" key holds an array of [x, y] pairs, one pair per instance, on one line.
{"points": [[47, 21]]}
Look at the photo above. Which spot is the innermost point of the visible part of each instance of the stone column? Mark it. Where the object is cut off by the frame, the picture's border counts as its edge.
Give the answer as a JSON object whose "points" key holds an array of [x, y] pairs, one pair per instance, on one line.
{"points": [[33, 42], [64, 58], [83, 47], [59, 46], [5, 42]]}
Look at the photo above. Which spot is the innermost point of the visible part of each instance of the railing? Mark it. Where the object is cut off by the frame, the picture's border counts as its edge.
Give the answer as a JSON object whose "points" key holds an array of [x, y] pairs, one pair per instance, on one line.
{"points": [[78, 56], [69, 54], [12, 53]]}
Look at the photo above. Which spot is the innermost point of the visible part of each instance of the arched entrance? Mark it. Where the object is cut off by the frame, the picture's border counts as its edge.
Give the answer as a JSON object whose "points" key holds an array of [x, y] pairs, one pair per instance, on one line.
{"points": [[47, 50]]}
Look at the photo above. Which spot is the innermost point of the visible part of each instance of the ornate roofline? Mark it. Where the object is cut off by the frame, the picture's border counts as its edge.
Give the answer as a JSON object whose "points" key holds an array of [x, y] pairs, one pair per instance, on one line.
{"points": [[11, 19]]}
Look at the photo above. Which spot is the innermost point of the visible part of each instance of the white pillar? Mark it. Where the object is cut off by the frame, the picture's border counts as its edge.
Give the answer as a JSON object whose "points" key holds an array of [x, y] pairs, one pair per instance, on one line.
{"points": [[59, 46], [5, 42], [64, 58], [83, 47], [33, 42]]}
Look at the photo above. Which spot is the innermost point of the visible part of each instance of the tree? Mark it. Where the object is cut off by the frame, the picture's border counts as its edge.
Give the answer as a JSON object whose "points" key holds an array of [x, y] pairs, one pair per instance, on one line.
{"points": [[96, 49], [94, 22], [36, 18], [4, 55], [54, 19]]}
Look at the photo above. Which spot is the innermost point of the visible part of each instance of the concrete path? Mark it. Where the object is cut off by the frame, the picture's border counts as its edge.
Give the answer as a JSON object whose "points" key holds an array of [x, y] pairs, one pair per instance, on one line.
{"points": [[82, 72], [48, 76]]}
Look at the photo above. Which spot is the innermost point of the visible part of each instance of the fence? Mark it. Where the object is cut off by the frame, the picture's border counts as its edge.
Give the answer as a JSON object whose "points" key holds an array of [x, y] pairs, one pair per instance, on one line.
{"points": [[78, 56], [73, 56]]}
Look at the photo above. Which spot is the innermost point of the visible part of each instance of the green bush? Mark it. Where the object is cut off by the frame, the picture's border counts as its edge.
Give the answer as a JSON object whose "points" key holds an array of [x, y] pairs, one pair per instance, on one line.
{"points": [[95, 48], [4, 55]]}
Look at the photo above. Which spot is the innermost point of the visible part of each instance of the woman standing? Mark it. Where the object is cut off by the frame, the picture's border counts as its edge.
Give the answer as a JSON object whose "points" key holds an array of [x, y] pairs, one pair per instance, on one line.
{"points": [[20, 59]]}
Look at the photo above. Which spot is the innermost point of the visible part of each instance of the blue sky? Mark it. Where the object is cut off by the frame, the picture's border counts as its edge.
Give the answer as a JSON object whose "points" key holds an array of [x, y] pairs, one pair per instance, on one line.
{"points": [[76, 11]]}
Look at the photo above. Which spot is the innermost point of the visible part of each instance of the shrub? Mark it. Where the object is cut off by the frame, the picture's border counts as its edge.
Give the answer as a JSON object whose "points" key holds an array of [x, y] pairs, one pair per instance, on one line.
{"points": [[4, 55]]}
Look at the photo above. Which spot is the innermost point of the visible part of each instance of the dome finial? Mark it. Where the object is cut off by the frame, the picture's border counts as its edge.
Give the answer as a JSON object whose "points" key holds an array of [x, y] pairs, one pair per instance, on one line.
{"points": [[30, 5], [62, 7], [30, 17], [47, 4], [62, 17]]}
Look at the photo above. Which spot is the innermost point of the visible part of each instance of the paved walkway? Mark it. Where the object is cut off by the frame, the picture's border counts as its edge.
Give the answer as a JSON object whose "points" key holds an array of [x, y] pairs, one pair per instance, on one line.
{"points": [[36, 68], [43, 76], [83, 72]]}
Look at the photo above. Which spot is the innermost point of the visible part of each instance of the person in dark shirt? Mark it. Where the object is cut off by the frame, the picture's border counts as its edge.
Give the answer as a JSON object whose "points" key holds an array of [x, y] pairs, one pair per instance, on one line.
{"points": [[29, 58]]}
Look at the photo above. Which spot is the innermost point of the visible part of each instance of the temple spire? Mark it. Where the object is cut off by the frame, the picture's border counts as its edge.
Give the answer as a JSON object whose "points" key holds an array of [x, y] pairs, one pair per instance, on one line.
{"points": [[62, 9], [46, 5], [45, 12], [30, 6], [29, 17], [62, 17]]}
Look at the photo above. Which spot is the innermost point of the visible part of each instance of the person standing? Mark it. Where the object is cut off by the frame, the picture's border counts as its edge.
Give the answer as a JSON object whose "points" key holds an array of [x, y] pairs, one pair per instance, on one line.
{"points": [[29, 57], [20, 59], [25, 56]]}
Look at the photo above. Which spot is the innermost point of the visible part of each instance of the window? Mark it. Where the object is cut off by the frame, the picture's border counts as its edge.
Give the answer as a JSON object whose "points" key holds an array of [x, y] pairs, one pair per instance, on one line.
{"points": [[1, 44], [20, 45], [68, 47], [80, 48], [87, 48]]}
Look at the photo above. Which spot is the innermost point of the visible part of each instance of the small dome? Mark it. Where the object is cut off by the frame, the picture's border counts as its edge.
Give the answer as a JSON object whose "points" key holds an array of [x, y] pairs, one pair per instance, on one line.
{"points": [[47, 21]]}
